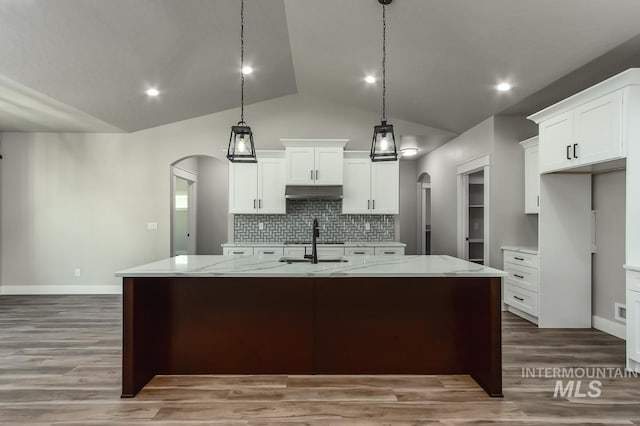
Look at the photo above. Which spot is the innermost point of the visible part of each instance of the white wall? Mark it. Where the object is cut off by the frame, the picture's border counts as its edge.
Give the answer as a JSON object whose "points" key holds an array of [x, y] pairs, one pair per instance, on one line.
{"points": [[213, 205], [608, 280], [84, 200]]}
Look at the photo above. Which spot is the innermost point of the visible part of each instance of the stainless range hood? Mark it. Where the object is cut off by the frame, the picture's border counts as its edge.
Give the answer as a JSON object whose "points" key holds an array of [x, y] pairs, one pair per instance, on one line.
{"points": [[313, 192]]}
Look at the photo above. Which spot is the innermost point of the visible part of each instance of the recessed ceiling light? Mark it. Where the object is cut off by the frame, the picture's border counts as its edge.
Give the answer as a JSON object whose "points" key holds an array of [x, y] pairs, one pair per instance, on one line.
{"points": [[152, 92], [409, 151], [247, 70], [503, 87], [370, 79]]}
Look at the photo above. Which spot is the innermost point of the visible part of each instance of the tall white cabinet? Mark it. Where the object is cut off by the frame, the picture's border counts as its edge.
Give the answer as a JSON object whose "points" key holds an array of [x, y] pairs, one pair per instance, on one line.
{"points": [[593, 128], [531, 175]]}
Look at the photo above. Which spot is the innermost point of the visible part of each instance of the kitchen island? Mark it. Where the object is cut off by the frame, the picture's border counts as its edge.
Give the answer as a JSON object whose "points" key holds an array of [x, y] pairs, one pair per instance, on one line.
{"points": [[368, 315]]}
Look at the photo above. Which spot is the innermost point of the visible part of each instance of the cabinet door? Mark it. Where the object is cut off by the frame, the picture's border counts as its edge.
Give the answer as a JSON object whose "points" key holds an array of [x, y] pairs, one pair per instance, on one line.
{"points": [[385, 187], [271, 186], [243, 188], [300, 167], [556, 143], [599, 130], [531, 180], [328, 166], [357, 186], [633, 325]]}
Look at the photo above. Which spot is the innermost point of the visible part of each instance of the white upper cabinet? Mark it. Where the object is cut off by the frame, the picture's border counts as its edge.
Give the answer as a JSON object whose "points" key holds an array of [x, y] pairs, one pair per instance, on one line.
{"points": [[300, 167], [588, 130], [257, 188], [357, 186], [599, 129], [328, 166], [243, 188], [314, 161], [531, 176], [271, 186], [385, 187], [371, 187]]}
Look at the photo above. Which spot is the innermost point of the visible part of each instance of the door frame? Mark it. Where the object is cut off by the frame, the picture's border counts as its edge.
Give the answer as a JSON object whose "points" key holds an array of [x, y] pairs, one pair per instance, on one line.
{"points": [[476, 164], [192, 178]]}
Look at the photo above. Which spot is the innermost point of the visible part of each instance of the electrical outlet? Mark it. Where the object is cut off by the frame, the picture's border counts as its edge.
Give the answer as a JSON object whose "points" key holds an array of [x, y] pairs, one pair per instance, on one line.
{"points": [[77, 272], [367, 226], [152, 226], [620, 312], [261, 226]]}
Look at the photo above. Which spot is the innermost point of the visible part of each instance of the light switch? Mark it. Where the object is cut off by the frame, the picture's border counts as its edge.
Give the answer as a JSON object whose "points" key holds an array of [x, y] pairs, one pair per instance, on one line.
{"points": [[261, 226], [77, 272], [367, 226], [152, 226]]}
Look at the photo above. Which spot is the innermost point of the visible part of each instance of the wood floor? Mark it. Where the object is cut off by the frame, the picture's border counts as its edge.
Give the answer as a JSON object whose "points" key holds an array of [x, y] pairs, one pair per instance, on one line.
{"points": [[60, 364]]}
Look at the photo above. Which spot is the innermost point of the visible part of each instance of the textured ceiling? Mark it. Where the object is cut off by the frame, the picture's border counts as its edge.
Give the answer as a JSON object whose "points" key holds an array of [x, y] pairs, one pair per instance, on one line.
{"points": [[445, 56]]}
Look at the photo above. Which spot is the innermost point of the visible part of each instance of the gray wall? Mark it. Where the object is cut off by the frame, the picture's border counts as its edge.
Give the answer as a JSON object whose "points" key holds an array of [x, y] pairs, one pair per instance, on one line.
{"points": [[499, 137], [608, 276], [213, 205], [83, 200], [408, 205]]}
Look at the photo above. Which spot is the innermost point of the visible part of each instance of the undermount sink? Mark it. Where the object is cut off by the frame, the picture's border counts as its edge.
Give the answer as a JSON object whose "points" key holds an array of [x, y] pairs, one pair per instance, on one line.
{"points": [[302, 260]]}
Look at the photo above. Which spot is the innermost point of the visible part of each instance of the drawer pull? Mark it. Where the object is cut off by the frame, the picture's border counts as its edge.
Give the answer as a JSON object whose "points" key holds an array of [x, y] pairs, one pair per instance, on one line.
{"points": [[389, 252], [521, 259], [238, 252], [518, 276], [269, 252], [518, 298], [359, 252]]}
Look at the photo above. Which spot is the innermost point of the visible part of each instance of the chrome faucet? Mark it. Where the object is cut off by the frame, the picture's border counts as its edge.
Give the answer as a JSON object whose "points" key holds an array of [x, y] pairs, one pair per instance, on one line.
{"points": [[314, 249]]}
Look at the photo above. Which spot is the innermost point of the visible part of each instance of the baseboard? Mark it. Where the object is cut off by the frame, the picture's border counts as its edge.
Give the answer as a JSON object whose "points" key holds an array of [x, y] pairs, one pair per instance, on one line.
{"points": [[522, 314], [6, 290], [610, 327]]}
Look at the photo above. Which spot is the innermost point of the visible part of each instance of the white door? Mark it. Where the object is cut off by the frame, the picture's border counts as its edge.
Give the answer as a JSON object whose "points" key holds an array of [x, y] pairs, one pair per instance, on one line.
{"points": [[271, 186], [531, 180], [243, 188], [300, 166], [357, 186], [599, 129], [556, 143], [385, 187], [633, 325], [328, 166]]}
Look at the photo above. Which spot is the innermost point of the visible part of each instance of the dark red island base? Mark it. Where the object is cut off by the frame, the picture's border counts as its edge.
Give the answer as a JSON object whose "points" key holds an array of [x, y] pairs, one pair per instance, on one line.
{"points": [[314, 325]]}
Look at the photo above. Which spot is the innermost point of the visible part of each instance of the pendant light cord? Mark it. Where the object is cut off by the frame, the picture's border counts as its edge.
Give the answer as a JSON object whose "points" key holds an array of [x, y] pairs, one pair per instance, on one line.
{"points": [[242, 61], [384, 62]]}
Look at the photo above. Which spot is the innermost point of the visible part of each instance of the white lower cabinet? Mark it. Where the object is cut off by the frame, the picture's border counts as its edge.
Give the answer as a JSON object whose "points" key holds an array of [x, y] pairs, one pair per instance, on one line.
{"points": [[329, 252], [389, 251], [244, 251], [269, 252], [297, 252], [633, 325], [359, 251], [521, 287]]}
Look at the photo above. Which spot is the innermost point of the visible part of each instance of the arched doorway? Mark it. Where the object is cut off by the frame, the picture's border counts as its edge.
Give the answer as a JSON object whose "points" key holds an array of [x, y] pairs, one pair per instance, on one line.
{"points": [[199, 201], [424, 213]]}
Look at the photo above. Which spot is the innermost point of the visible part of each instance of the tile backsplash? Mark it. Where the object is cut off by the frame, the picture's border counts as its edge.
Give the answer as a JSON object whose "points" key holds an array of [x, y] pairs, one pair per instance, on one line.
{"points": [[296, 224]]}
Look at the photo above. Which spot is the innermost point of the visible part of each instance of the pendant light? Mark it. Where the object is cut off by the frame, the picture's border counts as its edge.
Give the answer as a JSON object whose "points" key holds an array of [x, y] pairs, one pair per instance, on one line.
{"points": [[241, 148], [383, 145]]}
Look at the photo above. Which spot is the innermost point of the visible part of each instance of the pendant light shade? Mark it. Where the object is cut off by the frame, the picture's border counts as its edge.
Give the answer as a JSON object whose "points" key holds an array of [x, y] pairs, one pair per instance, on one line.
{"points": [[383, 144], [241, 147]]}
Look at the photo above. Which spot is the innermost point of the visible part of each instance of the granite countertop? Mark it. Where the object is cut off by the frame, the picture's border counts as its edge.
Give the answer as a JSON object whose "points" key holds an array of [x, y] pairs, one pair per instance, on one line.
{"points": [[361, 266], [528, 250], [346, 244]]}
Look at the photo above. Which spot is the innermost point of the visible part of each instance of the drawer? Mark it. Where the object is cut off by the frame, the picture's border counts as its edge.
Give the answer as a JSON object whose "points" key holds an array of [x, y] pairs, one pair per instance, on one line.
{"points": [[294, 252], [522, 276], [524, 259], [633, 280], [268, 252], [359, 251], [389, 251], [328, 252], [244, 251], [519, 298]]}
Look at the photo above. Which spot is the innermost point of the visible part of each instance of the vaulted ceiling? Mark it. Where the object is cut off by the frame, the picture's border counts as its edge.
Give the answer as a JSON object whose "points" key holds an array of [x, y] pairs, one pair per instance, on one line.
{"points": [[444, 56]]}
